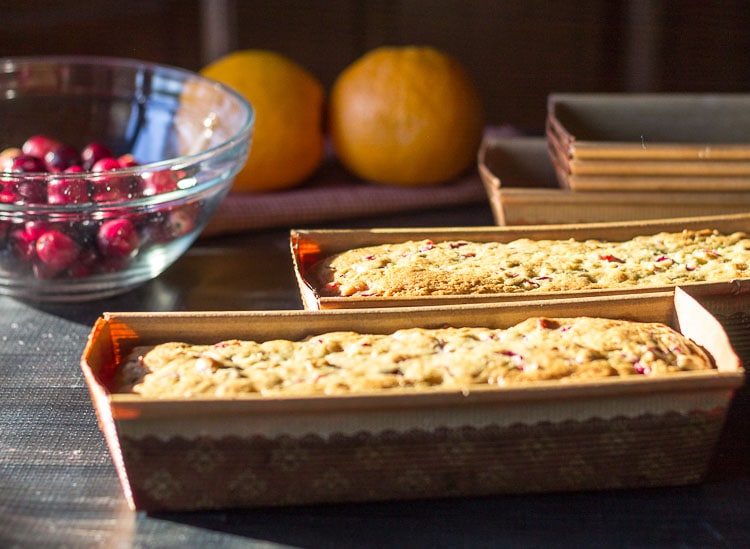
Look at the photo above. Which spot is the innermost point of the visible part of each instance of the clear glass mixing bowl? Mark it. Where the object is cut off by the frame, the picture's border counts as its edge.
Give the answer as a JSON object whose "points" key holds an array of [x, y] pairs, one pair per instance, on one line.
{"points": [[189, 135]]}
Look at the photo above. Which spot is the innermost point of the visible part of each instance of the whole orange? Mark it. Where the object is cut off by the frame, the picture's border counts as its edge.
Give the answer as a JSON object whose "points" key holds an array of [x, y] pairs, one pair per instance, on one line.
{"points": [[288, 138], [406, 115]]}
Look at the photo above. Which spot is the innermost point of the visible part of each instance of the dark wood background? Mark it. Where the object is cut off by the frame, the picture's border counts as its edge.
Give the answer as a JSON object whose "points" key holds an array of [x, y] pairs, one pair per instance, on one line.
{"points": [[517, 51]]}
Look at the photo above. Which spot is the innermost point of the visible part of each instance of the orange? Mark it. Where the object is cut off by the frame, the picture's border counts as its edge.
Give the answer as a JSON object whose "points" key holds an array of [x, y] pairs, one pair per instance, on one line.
{"points": [[405, 115], [288, 139]]}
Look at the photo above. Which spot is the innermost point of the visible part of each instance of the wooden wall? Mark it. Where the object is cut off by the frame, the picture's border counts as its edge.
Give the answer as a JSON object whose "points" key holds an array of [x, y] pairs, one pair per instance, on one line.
{"points": [[517, 50]]}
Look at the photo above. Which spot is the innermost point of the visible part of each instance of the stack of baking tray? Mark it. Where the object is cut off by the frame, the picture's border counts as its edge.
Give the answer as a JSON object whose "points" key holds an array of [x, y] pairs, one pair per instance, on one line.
{"points": [[611, 157], [650, 142]]}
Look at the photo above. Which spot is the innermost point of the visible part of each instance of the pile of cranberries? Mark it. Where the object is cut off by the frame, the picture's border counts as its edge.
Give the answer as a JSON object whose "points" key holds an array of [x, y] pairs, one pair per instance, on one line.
{"points": [[82, 242]]}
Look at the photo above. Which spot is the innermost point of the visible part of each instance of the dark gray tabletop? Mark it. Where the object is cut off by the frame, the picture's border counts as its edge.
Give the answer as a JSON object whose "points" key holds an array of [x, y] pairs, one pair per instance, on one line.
{"points": [[58, 487]]}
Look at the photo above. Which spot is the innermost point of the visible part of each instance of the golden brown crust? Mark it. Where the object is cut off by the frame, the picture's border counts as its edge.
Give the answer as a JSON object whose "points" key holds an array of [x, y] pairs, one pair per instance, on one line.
{"points": [[421, 268], [538, 349]]}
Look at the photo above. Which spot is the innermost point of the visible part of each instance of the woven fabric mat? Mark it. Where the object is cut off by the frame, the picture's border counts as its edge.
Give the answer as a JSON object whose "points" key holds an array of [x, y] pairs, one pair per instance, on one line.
{"points": [[335, 195]]}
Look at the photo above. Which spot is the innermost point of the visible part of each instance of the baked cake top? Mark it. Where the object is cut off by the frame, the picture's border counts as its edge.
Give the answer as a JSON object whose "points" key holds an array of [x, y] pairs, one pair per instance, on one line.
{"points": [[426, 267], [538, 349]]}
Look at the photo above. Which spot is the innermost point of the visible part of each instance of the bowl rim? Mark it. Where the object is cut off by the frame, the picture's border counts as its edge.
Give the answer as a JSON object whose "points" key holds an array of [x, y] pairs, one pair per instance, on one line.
{"points": [[8, 63]]}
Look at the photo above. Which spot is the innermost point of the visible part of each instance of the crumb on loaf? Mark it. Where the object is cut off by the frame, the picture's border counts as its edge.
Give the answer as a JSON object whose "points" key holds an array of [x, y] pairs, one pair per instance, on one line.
{"points": [[538, 349], [426, 267]]}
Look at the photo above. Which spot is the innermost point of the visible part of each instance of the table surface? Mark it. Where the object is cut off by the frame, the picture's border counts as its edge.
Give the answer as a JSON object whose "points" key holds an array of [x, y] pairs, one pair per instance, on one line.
{"points": [[58, 486]]}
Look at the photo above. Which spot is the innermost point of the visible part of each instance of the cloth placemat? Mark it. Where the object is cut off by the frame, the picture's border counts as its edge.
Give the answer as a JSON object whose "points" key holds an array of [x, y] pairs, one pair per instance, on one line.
{"points": [[332, 195]]}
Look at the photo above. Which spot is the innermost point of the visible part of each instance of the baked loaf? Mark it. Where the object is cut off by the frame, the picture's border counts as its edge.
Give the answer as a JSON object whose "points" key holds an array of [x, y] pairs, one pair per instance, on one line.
{"points": [[420, 268], [538, 349]]}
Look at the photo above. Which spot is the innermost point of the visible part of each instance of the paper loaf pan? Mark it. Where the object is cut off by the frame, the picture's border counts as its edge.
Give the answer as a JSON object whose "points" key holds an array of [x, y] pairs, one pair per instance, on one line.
{"points": [[310, 246], [220, 453], [522, 187], [650, 142]]}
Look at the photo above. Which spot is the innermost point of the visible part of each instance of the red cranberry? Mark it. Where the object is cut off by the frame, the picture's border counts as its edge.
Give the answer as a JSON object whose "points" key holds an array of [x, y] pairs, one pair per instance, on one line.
{"points": [[29, 189], [77, 249], [85, 264], [112, 264], [106, 164], [158, 182], [8, 191], [117, 238], [22, 244], [39, 145], [109, 188], [35, 229], [68, 191], [62, 157], [56, 249], [80, 270], [127, 161], [92, 153], [181, 221], [26, 163]]}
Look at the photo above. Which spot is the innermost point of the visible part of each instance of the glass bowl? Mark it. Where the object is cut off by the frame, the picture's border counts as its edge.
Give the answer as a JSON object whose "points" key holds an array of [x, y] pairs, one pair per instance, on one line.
{"points": [[96, 231]]}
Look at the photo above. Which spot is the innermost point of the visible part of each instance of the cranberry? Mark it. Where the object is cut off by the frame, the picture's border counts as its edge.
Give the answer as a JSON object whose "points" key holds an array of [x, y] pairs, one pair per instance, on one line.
{"points": [[106, 165], [78, 248], [22, 244], [111, 264], [56, 249], [68, 191], [8, 191], [33, 192], [117, 238], [158, 182], [107, 188], [92, 153], [39, 145], [62, 157], [80, 270], [611, 258], [85, 264], [180, 221], [111, 189], [26, 163], [35, 229], [29, 190], [85, 232], [127, 161]]}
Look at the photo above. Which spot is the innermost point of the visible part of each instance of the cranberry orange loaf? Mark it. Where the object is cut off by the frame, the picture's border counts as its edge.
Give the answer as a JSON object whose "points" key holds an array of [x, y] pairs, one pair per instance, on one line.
{"points": [[414, 358], [419, 268]]}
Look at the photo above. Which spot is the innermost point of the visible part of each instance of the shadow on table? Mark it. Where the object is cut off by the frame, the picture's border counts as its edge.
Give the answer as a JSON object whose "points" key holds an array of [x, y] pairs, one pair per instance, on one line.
{"points": [[694, 516]]}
